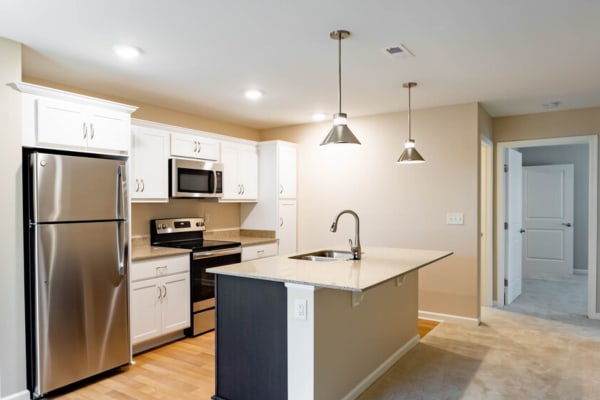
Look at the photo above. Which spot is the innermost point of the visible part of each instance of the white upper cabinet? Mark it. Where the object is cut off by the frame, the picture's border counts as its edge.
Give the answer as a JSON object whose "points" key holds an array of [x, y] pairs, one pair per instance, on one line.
{"points": [[240, 175], [193, 146], [57, 119], [149, 155], [287, 170], [276, 206]]}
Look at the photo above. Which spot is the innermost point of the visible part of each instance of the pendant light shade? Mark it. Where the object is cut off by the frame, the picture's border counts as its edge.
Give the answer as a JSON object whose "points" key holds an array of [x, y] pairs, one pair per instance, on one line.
{"points": [[340, 133], [410, 155]]}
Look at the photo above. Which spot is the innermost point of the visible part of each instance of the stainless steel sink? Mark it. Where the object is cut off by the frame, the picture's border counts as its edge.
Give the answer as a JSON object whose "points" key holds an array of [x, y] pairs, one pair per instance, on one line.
{"points": [[324, 255]]}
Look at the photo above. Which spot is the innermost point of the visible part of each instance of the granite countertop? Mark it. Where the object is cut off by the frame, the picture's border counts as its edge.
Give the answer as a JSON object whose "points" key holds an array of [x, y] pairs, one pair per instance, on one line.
{"points": [[141, 249], [246, 237], [378, 264]]}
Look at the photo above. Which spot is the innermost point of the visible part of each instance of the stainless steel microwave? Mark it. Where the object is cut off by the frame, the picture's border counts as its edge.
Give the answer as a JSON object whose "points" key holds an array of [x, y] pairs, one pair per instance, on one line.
{"points": [[195, 179]]}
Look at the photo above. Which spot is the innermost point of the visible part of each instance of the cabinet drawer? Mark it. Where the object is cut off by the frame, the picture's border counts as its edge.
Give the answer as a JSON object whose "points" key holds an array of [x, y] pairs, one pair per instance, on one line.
{"points": [[259, 251], [152, 268]]}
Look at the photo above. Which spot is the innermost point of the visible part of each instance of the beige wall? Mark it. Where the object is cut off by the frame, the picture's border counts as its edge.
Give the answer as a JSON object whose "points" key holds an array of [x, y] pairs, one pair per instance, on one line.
{"points": [[399, 205], [12, 334], [554, 124], [585, 121], [218, 216]]}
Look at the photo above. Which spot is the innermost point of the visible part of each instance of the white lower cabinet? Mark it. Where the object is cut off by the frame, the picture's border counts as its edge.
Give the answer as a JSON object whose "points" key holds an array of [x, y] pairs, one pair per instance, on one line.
{"points": [[159, 297], [286, 231], [255, 251]]}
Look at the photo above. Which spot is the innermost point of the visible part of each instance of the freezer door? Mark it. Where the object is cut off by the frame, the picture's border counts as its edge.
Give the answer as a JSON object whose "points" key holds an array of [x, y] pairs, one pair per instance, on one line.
{"points": [[81, 305], [75, 188]]}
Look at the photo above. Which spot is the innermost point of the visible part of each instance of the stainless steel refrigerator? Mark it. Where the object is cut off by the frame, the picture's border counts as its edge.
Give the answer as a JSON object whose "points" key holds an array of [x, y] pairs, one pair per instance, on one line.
{"points": [[76, 267]]}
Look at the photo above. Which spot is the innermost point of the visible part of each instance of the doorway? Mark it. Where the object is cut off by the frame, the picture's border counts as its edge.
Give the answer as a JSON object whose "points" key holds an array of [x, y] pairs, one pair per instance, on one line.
{"points": [[502, 211]]}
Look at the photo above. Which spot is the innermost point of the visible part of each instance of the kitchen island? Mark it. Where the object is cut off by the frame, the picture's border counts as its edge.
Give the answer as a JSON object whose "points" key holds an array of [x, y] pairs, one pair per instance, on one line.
{"points": [[299, 329]]}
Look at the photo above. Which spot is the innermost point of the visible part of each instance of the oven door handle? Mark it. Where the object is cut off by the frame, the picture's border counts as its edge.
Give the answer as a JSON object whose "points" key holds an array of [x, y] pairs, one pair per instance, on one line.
{"points": [[216, 253]]}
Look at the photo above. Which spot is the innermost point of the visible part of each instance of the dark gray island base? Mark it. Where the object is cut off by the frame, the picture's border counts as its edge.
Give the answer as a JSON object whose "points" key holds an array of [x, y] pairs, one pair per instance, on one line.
{"points": [[251, 339]]}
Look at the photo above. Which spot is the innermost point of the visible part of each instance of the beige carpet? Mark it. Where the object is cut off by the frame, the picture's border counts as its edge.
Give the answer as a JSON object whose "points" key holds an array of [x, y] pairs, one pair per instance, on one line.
{"points": [[510, 356]]}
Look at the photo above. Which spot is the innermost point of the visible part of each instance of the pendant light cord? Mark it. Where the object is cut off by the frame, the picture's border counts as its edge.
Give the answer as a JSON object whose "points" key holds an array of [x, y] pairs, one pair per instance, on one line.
{"points": [[340, 71], [409, 127]]}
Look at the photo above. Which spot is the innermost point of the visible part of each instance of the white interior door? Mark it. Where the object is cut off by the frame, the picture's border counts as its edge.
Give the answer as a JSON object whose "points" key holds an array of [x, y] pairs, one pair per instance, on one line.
{"points": [[513, 231], [548, 220]]}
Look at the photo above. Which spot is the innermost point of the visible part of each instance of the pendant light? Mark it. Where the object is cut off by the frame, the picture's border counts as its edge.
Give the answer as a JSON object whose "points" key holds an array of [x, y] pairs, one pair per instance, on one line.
{"points": [[410, 155], [340, 133]]}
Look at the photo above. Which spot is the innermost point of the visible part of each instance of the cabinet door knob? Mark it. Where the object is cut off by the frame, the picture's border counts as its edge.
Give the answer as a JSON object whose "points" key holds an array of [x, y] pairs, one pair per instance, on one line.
{"points": [[143, 185], [567, 224], [199, 147], [137, 185], [243, 189], [84, 130], [195, 146], [280, 189], [92, 131], [280, 221]]}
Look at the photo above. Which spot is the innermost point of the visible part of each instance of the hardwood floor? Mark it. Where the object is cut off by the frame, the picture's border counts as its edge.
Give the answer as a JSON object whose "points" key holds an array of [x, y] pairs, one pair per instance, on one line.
{"points": [[181, 370], [426, 326]]}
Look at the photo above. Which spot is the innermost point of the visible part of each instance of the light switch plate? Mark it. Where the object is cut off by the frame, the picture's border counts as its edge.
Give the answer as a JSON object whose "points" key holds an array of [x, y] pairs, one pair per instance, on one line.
{"points": [[454, 218]]}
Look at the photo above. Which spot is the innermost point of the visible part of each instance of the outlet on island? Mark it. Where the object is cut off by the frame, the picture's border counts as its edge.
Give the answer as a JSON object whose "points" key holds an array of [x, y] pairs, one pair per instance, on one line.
{"points": [[300, 309]]}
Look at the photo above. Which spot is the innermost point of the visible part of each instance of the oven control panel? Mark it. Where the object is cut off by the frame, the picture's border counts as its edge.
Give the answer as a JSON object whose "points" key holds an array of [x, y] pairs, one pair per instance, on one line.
{"points": [[174, 225]]}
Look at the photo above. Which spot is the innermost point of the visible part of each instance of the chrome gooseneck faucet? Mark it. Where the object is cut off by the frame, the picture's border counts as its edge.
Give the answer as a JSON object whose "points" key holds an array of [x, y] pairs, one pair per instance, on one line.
{"points": [[356, 252]]}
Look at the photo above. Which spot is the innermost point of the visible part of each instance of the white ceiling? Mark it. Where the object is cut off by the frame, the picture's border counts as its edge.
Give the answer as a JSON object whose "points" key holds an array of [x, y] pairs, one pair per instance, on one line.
{"points": [[200, 56]]}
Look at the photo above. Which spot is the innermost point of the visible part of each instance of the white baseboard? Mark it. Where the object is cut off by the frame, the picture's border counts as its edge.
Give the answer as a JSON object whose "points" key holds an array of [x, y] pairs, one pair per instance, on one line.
{"points": [[448, 317], [381, 369], [580, 271], [22, 395]]}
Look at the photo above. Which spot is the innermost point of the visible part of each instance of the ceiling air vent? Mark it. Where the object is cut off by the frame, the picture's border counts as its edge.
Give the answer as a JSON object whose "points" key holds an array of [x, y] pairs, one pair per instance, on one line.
{"points": [[398, 51]]}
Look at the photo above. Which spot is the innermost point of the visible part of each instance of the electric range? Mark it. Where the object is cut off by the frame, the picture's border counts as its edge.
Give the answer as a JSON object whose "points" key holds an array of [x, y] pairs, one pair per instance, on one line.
{"points": [[188, 233]]}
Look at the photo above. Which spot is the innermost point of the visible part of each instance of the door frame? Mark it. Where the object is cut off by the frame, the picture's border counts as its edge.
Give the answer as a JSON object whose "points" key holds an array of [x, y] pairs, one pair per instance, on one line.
{"points": [[486, 221], [592, 142]]}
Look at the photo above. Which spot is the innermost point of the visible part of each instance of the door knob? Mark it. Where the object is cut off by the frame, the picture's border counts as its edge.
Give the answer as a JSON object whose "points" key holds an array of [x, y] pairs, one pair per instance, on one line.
{"points": [[522, 231], [567, 224]]}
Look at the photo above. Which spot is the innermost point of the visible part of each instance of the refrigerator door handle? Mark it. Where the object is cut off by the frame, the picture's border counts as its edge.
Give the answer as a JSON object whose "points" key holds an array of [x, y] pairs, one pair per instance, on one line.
{"points": [[121, 247], [121, 199]]}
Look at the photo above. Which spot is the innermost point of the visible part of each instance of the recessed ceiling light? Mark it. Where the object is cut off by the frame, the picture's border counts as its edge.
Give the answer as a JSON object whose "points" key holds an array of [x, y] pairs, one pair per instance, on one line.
{"points": [[126, 51], [318, 116], [253, 94]]}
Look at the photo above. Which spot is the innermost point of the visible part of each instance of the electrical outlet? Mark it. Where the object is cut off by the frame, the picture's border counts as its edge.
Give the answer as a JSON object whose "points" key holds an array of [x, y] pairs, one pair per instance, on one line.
{"points": [[454, 218], [300, 309]]}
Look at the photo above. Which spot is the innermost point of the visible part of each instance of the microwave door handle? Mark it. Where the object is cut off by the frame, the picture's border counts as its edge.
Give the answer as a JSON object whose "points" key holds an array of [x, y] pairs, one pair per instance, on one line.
{"points": [[214, 182]]}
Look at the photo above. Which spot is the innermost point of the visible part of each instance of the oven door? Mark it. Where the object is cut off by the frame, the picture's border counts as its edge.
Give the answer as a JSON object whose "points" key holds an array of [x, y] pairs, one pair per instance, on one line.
{"points": [[203, 283], [203, 286], [198, 179]]}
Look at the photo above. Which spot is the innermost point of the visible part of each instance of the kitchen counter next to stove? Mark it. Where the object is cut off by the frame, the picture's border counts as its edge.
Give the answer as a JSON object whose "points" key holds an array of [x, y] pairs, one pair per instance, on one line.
{"points": [[141, 250], [378, 265], [246, 237]]}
